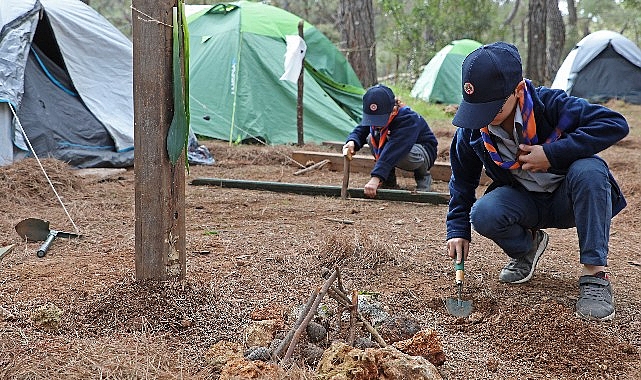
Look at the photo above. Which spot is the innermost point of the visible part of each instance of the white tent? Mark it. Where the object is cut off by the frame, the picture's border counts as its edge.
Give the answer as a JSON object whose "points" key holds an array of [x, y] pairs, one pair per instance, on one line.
{"points": [[603, 65]]}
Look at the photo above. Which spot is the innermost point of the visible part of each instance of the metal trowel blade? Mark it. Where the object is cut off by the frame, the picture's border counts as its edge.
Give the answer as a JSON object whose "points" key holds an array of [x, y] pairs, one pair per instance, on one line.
{"points": [[33, 229], [458, 308]]}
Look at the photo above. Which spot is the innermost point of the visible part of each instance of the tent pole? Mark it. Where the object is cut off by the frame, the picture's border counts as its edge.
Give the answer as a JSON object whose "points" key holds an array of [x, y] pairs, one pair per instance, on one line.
{"points": [[299, 102]]}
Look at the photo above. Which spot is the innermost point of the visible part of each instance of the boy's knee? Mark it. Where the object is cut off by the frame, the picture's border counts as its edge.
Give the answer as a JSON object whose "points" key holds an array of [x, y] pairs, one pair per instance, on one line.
{"points": [[588, 171], [481, 216]]}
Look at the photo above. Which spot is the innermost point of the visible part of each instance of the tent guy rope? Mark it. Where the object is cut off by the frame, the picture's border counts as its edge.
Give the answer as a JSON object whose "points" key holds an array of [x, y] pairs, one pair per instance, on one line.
{"points": [[42, 167], [149, 18]]}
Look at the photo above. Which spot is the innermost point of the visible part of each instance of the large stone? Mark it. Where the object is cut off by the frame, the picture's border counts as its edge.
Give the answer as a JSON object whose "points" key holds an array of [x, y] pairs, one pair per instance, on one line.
{"points": [[222, 352], [316, 332], [261, 333], [425, 343], [395, 365], [395, 329], [243, 369], [343, 362]]}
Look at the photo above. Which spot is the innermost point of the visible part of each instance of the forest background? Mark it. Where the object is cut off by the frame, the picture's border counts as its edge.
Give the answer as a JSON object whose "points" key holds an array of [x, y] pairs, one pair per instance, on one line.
{"points": [[391, 40]]}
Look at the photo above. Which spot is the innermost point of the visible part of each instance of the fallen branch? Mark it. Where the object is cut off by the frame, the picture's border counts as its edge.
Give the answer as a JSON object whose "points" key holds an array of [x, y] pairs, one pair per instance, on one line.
{"points": [[6, 250], [312, 297], [342, 298], [343, 221], [339, 281], [317, 165], [310, 314], [352, 317]]}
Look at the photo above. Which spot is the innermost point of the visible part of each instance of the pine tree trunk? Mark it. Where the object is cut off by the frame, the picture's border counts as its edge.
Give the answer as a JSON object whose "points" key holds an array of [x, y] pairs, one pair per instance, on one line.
{"points": [[536, 41], [358, 38], [556, 41]]}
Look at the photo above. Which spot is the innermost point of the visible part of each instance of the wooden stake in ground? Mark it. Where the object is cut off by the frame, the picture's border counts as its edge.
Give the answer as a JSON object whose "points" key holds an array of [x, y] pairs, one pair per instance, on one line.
{"points": [[347, 159], [159, 185]]}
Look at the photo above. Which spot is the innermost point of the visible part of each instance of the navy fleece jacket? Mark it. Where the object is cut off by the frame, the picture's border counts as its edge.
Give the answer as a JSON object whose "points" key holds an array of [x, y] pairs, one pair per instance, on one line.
{"points": [[590, 128], [405, 130]]}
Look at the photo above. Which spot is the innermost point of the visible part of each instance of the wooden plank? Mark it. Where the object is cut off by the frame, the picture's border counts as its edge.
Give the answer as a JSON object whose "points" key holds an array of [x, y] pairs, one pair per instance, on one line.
{"points": [[363, 163], [329, 191], [441, 171]]}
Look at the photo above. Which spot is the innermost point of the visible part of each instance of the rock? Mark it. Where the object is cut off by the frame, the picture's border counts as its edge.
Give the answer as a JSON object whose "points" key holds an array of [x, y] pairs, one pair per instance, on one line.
{"points": [[312, 354], [395, 365], [223, 352], [398, 328], [243, 369], [316, 332], [261, 333], [341, 361], [258, 353], [425, 343], [364, 343], [47, 316], [372, 309]]}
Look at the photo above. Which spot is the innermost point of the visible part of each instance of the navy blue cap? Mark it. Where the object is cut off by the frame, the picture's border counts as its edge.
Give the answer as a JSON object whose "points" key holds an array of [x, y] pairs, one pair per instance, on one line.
{"points": [[490, 74], [378, 104]]}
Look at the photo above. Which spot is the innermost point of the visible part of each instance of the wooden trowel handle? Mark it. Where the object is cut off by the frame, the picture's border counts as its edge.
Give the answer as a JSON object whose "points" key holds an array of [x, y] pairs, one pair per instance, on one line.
{"points": [[460, 272]]}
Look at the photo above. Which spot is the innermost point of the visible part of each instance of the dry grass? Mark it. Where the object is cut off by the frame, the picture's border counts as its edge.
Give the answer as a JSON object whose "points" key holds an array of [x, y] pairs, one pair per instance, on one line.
{"points": [[364, 251], [24, 183]]}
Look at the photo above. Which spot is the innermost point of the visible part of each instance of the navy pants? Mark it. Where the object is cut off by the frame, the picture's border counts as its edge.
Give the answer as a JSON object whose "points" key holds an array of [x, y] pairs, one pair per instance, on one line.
{"points": [[583, 200], [417, 160]]}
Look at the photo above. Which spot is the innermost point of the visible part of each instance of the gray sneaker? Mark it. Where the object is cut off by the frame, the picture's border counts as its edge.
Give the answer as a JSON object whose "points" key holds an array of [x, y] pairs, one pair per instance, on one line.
{"points": [[596, 301], [520, 270]]}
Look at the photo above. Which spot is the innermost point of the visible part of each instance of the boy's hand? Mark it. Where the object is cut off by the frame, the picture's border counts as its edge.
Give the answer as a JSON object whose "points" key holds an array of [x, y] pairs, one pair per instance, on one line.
{"points": [[458, 248], [348, 149], [371, 187], [533, 158]]}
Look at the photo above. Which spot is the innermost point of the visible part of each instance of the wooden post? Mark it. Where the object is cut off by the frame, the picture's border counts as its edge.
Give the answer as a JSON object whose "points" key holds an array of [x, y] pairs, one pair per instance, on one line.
{"points": [[159, 186], [299, 103]]}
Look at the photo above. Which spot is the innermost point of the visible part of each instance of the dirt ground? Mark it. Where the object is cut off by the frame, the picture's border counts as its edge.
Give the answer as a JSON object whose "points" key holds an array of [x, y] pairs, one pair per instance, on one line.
{"points": [[78, 313]]}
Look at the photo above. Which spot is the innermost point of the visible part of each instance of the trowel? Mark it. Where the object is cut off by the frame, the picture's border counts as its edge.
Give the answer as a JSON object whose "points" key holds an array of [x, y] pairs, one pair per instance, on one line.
{"points": [[456, 306], [33, 229]]}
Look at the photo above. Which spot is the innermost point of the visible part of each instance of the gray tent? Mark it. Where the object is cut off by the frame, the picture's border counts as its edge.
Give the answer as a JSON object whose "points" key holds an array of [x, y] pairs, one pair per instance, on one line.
{"points": [[602, 66], [67, 72]]}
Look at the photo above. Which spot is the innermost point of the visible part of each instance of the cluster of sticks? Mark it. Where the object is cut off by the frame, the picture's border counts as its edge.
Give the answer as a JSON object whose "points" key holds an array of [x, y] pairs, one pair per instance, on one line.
{"points": [[338, 293]]}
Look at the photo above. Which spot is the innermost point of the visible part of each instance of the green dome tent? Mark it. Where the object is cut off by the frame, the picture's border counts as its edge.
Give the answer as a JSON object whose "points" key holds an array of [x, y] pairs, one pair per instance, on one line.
{"points": [[440, 81], [237, 53]]}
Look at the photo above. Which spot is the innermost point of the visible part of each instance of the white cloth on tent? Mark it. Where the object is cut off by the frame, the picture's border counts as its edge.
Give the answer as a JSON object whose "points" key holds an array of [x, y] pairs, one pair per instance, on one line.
{"points": [[296, 48]]}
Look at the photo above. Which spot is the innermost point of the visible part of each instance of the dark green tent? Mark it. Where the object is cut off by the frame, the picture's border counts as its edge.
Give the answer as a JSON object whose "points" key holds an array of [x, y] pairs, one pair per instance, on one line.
{"points": [[237, 53]]}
